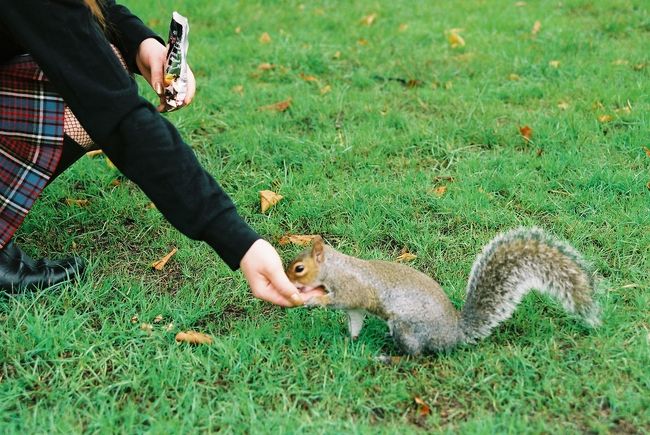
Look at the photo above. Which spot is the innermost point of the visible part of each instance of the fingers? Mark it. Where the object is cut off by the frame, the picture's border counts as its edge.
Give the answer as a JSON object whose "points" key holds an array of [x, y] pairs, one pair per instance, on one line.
{"points": [[191, 87], [285, 287]]}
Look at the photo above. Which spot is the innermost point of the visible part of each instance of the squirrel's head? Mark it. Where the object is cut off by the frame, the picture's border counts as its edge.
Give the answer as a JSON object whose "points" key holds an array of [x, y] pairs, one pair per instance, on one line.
{"points": [[304, 270]]}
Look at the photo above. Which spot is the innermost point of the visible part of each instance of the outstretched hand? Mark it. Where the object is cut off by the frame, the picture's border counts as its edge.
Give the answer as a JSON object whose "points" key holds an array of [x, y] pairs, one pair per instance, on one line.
{"points": [[151, 60], [263, 270]]}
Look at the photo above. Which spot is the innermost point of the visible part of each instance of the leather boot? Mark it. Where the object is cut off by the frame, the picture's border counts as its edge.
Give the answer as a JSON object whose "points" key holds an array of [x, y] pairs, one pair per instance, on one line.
{"points": [[19, 272]]}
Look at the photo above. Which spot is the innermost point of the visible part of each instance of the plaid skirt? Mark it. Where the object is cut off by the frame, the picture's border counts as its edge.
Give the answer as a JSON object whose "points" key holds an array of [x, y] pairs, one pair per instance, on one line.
{"points": [[31, 139]]}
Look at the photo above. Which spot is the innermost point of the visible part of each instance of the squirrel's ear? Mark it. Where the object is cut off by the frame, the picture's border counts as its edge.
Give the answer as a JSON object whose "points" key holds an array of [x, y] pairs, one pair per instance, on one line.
{"points": [[317, 250]]}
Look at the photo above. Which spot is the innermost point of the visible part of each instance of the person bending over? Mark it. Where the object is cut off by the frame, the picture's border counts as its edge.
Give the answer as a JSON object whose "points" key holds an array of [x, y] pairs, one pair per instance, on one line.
{"points": [[57, 63]]}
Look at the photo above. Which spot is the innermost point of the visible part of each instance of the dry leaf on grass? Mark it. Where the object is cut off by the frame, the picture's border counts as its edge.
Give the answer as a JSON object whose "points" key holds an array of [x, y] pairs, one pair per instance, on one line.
{"points": [[423, 408], [297, 239], [605, 118], [160, 264], [536, 28], [265, 66], [268, 199], [146, 327], [193, 337], [325, 89], [77, 202], [362, 42], [647, 151], [368, 20], [439, 191], [514, 77], [265, 38], [406, 256], [554, 64], [277, 107], [158, 318], [526, 133], [563, 105], [308, 78], [94, 153], [454, 38], [134, 319]]}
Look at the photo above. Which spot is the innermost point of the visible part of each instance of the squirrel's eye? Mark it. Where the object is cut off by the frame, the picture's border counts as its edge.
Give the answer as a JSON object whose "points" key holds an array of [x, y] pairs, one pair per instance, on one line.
{"points": [[299, 268]]}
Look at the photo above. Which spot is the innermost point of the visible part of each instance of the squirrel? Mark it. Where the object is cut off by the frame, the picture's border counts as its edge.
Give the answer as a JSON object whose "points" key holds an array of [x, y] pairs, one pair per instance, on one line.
{"points": [[420, 316]]}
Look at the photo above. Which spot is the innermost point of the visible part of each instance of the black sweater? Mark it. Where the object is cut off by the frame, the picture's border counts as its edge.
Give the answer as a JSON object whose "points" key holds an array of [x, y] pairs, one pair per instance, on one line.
{"points": [[75, 55]]}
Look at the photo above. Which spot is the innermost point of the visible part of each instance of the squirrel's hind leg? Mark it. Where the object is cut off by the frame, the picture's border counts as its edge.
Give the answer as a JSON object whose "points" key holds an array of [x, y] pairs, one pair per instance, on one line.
{"points": [[406, 337], [355, 322]]}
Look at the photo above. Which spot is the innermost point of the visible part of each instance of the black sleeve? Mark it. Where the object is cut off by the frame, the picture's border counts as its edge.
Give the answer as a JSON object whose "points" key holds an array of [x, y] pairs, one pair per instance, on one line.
{"points": [[126, 31], [76, 57]]}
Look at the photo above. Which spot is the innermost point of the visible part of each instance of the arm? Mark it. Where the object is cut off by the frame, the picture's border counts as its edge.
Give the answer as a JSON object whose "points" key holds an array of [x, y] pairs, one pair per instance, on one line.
{"points": [[79, 63]]}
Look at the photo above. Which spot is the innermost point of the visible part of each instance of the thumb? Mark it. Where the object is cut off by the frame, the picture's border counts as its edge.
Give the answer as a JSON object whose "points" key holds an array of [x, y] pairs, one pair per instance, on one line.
{"points": [[157, 78]]}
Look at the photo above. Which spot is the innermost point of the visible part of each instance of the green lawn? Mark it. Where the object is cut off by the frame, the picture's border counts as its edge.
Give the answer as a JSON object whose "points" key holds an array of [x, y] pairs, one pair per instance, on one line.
{"points": [[394, 114]]}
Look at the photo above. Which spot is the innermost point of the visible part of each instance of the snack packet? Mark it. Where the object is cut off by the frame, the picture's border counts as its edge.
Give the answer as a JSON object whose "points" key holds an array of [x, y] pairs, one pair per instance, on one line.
{"points": [[175, 80]]}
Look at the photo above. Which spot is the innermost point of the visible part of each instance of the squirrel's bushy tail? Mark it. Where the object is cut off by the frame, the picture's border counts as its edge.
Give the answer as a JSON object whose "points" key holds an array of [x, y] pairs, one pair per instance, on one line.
{"points": [[516, 262]]}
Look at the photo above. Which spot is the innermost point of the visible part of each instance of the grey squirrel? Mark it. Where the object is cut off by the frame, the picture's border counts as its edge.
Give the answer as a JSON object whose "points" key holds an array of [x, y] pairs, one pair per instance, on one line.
{"points": [[420, 316]]}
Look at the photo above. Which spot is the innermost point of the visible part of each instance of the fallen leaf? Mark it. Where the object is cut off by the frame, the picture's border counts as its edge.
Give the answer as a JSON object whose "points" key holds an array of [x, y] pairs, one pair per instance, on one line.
{"points": [[439, 191], [337, 54], [297, 239], [265, 66], [134, 319], [308, 78], [455, 40], [169, 327], [325, 89], [116, 182], [406, 256], [193, 337], [238, 89], [363, 42], [514, 77], [160, 264], [605, 118], [423, 408], [268, 199], [403, 27], [158, 318], [277, 107], [554, 63], [265, 38], [94, 153], [563, 105], [536, 28], [368, 20], [647, 151], [151, 206], [526, 132], [77, 202], [146, 327]]}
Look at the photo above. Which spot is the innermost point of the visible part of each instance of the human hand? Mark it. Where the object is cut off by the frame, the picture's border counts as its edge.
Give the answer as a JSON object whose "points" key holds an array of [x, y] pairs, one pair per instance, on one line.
{"points": [[263, 270], [151, 59]]}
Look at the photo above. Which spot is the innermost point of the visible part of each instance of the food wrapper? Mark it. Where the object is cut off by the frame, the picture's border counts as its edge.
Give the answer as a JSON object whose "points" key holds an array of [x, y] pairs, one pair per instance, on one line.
{"points": [[176, 64]]}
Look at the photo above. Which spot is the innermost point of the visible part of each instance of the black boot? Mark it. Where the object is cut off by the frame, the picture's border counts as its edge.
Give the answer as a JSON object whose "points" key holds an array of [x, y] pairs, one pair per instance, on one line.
{"points": [[19, 272]]}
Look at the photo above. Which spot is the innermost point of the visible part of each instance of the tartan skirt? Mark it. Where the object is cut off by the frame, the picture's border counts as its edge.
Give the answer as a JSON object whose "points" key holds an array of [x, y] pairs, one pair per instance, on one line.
{"points": [[31, 139]]}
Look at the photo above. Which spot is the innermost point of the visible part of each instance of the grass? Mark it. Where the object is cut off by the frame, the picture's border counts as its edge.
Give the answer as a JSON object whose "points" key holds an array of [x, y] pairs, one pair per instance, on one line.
{"points": [[359, 164]]}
